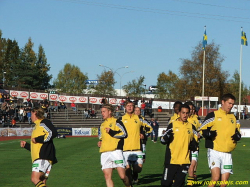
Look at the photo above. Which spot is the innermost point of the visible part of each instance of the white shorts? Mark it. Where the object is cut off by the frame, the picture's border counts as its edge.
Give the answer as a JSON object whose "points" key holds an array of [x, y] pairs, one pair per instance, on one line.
{"points": [[42, 165], [112, 159], [221, 160], [133, 157], [195, 155]]}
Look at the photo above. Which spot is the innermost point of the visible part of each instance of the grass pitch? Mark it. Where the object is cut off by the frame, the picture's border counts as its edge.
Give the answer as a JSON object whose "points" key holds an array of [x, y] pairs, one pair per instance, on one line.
{"points": [[79, 164]]}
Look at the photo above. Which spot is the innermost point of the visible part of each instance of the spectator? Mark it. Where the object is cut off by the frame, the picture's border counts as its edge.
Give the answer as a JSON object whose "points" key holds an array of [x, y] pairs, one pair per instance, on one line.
{"points": [[86, 113], [29, 116], [25, 102], [93, 114], [56, 106], [143, 106], [122, 104], [155, 126], [62, 105], [245, 112], [20, 114], [73, 106], [13, 122]]}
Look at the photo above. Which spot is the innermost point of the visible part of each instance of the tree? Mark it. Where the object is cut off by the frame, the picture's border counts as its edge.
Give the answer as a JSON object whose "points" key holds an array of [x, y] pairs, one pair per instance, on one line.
{"points": [[27, 77], [135, 88], [10, 59], [166, 85], [191, 71], [234, 87], [70, 79], [106, 84], [42, 67]]}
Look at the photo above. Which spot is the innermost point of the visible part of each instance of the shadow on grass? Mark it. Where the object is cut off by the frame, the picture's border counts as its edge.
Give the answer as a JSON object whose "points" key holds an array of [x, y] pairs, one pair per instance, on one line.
{"points": [[204, 177], [145, 180]]}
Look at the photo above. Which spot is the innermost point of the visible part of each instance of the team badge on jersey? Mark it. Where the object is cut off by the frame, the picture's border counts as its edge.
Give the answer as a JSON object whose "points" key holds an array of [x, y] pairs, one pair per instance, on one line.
{"points": [[232, 121], [110, 125], [135, 121], [189, 131], [219, 119]]}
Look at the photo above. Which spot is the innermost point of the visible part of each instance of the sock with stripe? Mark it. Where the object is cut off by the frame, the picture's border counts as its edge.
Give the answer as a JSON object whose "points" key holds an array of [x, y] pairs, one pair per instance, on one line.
{"points": [[190, 181], [40, 184]]}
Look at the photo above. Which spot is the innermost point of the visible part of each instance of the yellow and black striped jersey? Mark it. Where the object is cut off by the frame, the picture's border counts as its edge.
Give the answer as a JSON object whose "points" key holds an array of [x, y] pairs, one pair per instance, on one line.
{"points": [[43, 132], [133, 125], [173, 118], [178, 146], [195, 121], [115, 138], [225, 124]]}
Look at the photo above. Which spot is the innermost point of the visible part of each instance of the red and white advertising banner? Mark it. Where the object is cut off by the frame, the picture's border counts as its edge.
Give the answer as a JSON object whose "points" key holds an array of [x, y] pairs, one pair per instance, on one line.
{"points": [[19, 94], [39, 96], [163, 104], [95, 100], [114, 101], [53, 97], [73, 99]]}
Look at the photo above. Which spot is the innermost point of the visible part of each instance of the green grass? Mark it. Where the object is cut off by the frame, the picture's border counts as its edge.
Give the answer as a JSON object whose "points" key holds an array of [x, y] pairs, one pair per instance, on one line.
{"points": [[79, 164]]}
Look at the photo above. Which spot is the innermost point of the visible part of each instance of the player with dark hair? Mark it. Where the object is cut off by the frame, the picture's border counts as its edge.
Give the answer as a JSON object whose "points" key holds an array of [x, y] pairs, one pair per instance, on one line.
{"points": [[222, 131], [180, 138], [42, 149], [193, 119], [111, 140], [176, 107]]}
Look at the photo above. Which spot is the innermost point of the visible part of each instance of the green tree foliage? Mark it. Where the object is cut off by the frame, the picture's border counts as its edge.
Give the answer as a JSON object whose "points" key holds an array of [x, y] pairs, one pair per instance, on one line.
{"points": [[27, 71], [135, 88], [106, 84], [234, 87], [11, 58], [191, 73], [43, 68], [24, 68], [70, 80], [166, 85]]}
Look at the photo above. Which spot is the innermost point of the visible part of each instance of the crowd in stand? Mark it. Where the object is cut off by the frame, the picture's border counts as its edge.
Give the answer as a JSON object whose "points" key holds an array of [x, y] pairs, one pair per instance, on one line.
{"points": [[12, 111]]}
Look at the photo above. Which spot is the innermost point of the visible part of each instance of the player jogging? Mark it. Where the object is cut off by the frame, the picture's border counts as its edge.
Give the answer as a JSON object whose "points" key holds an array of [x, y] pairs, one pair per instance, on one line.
{"points": [[112, 134]]}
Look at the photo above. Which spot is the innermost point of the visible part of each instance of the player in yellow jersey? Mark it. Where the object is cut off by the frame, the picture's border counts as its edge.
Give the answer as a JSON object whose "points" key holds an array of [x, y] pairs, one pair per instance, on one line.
{"points": [[112, 134], [41, 146], [180, 138], [132, 145], [176, 107], [144, 131], [221, 131], [194, 160]]}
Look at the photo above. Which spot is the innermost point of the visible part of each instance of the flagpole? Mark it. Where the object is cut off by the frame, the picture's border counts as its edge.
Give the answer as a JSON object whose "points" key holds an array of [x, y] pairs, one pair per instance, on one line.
{"points": [[203, 78], [240, 77]]}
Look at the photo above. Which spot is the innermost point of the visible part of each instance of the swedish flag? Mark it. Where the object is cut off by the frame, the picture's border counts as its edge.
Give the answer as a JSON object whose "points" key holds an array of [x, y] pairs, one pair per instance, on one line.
{"points": [[204, 40], [243, 38]]}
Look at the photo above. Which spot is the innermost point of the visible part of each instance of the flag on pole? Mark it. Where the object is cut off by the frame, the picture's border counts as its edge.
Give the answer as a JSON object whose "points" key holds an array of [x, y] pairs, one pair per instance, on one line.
{"points": [[243, 38], [204, 40]]}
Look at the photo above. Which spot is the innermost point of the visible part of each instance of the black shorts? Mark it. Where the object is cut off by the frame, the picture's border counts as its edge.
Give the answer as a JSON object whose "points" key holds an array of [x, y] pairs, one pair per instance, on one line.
{"points": [[174, 175]]}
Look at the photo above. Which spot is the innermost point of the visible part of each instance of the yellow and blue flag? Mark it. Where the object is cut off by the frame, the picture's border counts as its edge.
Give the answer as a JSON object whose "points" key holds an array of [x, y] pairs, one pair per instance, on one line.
{"points": [[204, 40], [243, 38]]}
